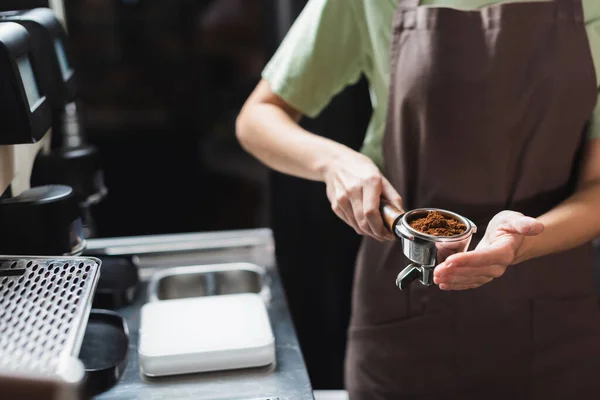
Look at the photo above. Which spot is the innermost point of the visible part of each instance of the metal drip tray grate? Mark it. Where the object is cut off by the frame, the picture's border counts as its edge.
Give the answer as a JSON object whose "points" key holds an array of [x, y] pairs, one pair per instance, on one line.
{"points": [[44, 307]]}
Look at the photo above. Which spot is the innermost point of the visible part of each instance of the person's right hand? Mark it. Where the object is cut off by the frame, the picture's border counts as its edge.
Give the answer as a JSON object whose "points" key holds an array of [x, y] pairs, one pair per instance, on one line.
{"points": [[354, 187]]}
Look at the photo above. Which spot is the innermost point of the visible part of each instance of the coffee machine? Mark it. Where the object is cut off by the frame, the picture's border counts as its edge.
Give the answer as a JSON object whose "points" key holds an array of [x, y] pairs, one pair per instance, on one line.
{"points": [[46, 293], [45, 219], [69, 160]]}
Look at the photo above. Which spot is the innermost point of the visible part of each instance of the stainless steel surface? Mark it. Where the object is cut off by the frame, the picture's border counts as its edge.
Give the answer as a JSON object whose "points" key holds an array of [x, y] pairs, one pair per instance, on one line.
{"points": [[209, 280], [44, 307], [427, 251], [263, 398], [426, 278], [181, 243], [287, 379], [331, 395]]}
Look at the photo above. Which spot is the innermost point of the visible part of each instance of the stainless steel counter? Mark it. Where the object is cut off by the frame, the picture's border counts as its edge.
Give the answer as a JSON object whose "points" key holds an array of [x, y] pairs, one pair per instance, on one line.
{"points": [[287, 379]]}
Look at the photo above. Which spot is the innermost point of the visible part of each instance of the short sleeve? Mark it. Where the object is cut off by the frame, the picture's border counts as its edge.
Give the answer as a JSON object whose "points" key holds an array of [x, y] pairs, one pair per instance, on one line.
{"points": [[319, 57], [592, 16], [594, 126]]}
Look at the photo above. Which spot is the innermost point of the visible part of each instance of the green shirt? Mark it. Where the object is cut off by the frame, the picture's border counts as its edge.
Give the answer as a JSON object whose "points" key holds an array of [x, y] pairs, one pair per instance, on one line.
{"points": [[333, 42]]}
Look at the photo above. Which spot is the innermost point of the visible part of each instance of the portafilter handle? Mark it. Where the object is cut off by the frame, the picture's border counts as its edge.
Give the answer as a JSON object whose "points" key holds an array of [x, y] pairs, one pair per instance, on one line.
{"points": [[391, 215]]}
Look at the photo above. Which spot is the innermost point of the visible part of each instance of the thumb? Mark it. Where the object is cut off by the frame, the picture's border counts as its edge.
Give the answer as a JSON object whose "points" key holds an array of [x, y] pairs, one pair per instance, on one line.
{"points": [[525, 226], [389, 193]]}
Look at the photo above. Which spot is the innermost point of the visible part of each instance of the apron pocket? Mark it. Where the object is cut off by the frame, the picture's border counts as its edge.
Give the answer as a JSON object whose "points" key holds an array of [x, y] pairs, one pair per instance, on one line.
{"points": [[410, 356], [379, 329], [566, 347]]}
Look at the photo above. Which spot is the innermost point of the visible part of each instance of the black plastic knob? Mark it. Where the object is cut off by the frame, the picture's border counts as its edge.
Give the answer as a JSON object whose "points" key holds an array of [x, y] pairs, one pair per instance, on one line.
{"points": [[41, 221], [77, 167]]}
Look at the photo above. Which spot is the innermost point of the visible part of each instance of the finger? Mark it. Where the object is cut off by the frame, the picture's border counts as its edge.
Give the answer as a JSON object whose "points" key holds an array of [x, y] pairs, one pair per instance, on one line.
{"points": [[331, 196], [340, 204], [493, 271], [464, 275], [463, 280], [355, 195], [458, 276], [371, 198], [389, 193], [525, 226], [458, 287], [342, 215], [497, 254]]}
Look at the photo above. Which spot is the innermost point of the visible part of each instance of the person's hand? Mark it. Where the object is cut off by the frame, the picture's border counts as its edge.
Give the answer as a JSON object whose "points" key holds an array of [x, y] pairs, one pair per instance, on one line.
{"points": [[354, 188], [493, 255]]}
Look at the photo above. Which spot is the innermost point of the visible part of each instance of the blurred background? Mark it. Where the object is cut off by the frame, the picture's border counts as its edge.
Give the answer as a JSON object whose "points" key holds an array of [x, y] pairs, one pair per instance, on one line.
{"points": [[160, 84]]}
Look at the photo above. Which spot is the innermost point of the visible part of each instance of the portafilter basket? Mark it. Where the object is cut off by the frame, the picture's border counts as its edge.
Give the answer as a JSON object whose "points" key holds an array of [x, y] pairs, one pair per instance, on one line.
{"points": [[424, 250]]}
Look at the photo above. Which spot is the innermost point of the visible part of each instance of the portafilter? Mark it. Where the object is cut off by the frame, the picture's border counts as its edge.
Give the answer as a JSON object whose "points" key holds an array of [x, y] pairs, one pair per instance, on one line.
{"points": [[425, 251]]}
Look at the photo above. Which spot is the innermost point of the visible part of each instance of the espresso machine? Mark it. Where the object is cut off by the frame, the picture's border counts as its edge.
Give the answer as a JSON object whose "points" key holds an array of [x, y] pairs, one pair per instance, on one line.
{"points": [[69, 160], [45, 219], [46, 292]]}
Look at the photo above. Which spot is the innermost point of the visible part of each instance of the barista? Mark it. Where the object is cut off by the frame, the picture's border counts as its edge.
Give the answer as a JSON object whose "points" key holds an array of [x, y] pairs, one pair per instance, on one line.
{"points": [[485, 108]]}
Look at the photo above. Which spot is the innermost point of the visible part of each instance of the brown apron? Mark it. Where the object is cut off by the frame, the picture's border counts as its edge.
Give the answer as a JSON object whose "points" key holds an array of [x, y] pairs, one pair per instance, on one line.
{"points": [[487, 112]]}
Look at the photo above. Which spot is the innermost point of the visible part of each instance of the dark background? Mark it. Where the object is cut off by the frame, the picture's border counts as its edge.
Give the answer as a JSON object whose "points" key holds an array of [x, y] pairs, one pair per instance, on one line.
{"points": [[160, 84]]}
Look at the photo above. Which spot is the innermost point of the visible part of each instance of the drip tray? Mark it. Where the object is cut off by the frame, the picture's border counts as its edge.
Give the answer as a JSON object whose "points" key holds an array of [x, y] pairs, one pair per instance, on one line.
{"points": [[44, 308]]}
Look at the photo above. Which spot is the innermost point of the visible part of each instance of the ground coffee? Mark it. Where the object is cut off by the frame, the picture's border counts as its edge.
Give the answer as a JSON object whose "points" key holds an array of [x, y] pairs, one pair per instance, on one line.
{"points": [[437, 224]]}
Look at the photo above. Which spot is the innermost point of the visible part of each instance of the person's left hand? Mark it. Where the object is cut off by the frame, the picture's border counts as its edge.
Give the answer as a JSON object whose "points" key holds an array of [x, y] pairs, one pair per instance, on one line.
{"points": [[493, 255]]}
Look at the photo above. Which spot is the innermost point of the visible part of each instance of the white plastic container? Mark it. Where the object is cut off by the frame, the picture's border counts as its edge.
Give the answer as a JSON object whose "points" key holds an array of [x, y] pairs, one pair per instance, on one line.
{"points": [[204, 334]]}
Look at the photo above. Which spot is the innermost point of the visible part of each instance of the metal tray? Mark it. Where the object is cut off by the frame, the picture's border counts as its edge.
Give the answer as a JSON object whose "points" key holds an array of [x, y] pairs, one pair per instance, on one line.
{"points": [[44, 308], [209, 280]]}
